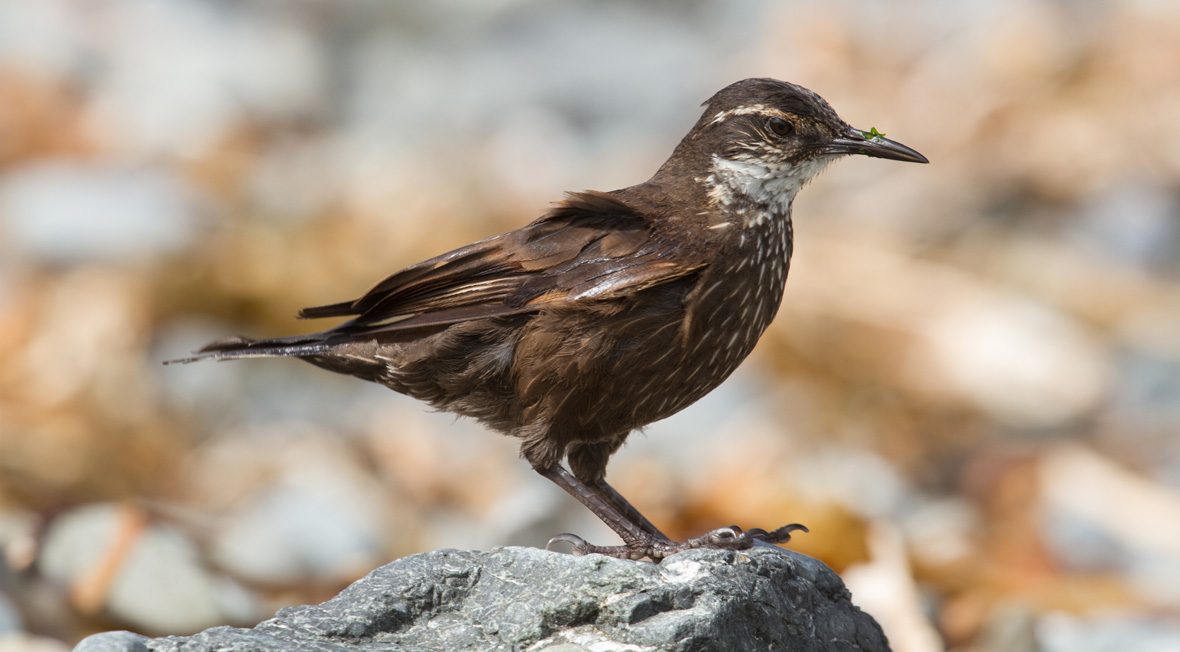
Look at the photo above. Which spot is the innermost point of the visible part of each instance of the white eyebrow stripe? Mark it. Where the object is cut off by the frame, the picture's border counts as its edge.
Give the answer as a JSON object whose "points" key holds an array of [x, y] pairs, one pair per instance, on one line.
{"points": [[750, 109]]}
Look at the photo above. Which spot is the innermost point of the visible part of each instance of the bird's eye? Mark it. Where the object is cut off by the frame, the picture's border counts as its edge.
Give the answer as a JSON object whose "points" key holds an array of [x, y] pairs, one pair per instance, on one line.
{"points": [[780, 127]]}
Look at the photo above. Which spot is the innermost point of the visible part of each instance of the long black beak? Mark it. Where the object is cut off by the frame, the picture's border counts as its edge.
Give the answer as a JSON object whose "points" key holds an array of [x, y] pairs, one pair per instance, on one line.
{"points": [[874, 144]]}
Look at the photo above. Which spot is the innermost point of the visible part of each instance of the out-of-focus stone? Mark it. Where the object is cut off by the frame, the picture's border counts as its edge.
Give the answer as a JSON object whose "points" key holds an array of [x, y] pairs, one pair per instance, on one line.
{"points": [[1134, 224], [10, 620], [291, 535], [30, 643], [885, 585], [1024, 363], [1101, 516], [300, 507], [66, 212], [177, 77], [1068, 633], [156, 583], [98, 356], [950, 335]]}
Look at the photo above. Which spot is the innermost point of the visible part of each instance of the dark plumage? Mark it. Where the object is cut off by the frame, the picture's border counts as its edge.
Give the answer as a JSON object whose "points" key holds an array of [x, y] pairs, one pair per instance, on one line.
{"points": [[611, 311]]}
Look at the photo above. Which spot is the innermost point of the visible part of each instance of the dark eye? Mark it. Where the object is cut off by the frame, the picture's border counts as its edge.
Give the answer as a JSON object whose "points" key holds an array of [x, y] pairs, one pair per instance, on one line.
{"points": [[780, 127]]}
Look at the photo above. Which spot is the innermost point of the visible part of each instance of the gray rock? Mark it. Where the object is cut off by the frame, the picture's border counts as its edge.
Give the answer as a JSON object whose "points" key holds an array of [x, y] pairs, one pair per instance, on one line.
{"points": [[1061, 632], [161, 584], [529, 599], [64, 212]]}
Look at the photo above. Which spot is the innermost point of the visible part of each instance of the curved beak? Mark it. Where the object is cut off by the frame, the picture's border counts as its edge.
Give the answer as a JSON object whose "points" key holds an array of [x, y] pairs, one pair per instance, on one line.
{"points": [[872, 143]]}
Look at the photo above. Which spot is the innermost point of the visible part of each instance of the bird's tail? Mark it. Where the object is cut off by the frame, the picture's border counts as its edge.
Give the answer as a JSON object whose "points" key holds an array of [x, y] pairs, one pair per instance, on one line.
{"points": [[232, 348]]}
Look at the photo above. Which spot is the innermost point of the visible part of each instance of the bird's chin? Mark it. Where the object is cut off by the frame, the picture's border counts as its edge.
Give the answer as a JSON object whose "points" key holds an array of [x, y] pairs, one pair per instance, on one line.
{"points": [[810, 168]]}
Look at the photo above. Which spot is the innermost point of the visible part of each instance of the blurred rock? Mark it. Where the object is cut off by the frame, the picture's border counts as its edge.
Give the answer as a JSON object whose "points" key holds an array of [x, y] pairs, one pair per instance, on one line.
{"points": [[67, 212], [1132, 223], [885, 587], [66, 357], [18, 548], [148, 575], [962, 339], [288, 181], [517, 598], [1011, 627], [297, 506], [1148, 402], [1126, 504], [178, 77], [1023, 363], [30, 643], [10, 620], [1067, 633], [292, 535], [1099, 515], [940, 531]]}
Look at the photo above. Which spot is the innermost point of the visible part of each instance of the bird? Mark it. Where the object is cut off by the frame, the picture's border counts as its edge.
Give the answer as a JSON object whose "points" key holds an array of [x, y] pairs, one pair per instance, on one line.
{"points": [[610, 311]]}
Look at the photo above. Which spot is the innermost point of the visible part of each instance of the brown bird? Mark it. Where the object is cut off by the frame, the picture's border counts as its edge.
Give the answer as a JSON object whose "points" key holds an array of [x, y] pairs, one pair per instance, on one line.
{"points": [[611, 311]]}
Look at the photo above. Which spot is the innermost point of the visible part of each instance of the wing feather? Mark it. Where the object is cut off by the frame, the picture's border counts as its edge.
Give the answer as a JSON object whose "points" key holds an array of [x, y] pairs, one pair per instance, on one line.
{"points": [[591, 247]]}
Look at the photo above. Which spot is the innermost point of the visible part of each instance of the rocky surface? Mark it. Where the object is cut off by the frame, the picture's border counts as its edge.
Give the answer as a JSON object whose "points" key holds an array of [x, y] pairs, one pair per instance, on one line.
{"points": [[529, 599]]}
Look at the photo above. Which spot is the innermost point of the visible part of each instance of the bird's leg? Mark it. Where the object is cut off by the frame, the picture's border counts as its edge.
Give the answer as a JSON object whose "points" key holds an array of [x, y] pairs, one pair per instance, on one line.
{"points": [[636, 540], [641, 539], [627, 509], [587, 463]]}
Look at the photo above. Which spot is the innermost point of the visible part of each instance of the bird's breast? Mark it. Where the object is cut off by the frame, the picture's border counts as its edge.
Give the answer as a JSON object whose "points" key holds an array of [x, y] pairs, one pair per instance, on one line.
{"points": [[731, 306], [740, 294]]}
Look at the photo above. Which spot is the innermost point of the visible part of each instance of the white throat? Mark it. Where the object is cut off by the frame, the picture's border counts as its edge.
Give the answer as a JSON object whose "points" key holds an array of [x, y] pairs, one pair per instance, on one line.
{"points": [[756, 189]]}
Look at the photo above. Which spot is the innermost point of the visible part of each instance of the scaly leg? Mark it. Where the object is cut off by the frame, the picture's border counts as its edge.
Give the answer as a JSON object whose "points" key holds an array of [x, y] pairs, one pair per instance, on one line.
{"points": [[641, 539], [627, 509]]}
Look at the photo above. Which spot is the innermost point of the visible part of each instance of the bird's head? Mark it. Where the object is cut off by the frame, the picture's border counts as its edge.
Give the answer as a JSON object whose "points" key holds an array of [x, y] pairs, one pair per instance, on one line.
{"points": [[760, 140]]}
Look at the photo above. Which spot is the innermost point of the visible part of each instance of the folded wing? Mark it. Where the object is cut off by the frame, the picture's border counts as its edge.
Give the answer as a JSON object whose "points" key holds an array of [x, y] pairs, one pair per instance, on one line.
{"points": [[591, 247]]}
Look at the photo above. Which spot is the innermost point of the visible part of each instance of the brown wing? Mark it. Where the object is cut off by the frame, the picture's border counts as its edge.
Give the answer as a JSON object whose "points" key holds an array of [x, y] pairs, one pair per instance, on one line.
{"points": [[591, 247]]}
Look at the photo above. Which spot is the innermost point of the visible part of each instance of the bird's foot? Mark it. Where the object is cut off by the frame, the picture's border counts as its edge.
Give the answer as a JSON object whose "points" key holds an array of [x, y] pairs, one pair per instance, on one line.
{"points": [[656, 549]]}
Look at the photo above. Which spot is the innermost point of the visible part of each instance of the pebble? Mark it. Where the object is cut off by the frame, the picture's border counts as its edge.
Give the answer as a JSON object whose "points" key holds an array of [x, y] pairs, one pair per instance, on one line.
{"points": [[67, 212], [161, 585]]}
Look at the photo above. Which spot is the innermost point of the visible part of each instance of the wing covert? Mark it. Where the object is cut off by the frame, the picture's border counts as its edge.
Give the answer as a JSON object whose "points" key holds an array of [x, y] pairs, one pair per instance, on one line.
{"points": [[590, 247]]}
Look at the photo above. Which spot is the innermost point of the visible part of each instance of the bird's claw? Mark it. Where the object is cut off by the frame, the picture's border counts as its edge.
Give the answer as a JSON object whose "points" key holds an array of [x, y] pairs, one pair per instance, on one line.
{"points": [[780, 535], [578, 545], [724, 538], [734, 538]]}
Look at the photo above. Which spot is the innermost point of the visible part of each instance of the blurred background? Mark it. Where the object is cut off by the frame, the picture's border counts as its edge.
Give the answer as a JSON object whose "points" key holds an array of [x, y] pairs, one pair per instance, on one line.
{"points": [[971, 393]]}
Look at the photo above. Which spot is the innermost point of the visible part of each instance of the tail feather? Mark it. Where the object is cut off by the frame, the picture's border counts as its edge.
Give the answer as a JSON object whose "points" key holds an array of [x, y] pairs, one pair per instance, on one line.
{"points": [[232, 348]]}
